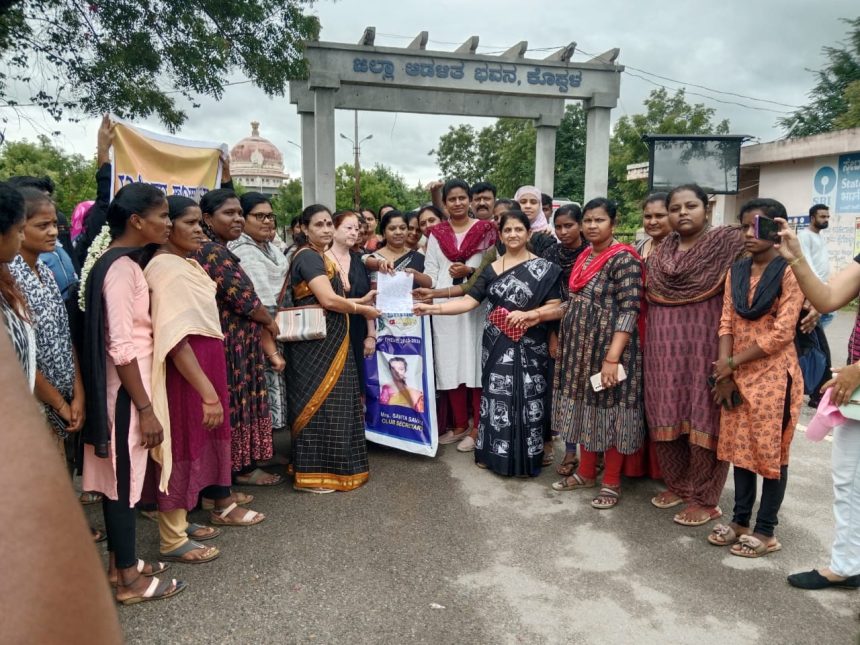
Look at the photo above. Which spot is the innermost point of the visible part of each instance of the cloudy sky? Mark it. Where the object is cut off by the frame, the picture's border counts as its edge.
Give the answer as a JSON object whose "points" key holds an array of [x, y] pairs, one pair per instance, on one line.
{"points": [[760, 50]]}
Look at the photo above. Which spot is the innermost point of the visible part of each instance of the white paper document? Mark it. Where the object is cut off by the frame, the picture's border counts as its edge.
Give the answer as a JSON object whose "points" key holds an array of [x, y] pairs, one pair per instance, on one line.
{"points": [[394, 292]]}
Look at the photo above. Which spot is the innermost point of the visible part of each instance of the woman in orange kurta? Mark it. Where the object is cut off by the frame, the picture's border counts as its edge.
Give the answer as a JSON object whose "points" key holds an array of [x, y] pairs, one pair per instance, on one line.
{"points": [[759, 383]]}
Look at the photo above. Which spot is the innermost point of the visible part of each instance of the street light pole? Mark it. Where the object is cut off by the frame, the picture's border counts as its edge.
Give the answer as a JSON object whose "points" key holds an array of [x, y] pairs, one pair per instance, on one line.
{"points": [[356, 149]]}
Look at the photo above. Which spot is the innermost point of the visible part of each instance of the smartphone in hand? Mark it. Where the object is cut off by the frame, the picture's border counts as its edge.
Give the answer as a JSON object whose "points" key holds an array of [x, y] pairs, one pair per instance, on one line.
{"points": [[766, 229]]}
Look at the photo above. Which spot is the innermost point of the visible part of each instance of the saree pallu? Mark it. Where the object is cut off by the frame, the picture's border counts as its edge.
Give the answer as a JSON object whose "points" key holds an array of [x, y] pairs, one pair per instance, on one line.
{"points": [[329, 448]]}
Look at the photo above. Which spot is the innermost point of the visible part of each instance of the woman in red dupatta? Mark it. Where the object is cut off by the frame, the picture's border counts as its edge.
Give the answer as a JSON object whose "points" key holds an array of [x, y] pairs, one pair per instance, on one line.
{"points": [[454, 252], [686, 277], [599, 335]]}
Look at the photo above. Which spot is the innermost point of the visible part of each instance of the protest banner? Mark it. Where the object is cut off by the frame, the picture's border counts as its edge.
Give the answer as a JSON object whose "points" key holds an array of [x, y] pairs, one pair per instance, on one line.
{"points": [[401, 389], [176, 166]]}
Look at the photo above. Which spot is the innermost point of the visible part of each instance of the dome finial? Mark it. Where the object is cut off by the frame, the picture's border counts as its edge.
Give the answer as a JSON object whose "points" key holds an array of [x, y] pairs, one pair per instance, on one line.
{"points": [[255, 128]]}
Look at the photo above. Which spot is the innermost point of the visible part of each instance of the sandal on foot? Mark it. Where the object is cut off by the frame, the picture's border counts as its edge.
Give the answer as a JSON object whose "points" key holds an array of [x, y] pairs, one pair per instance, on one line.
{"points": [[749, 546], [667, 499], [256, 478], [157, 590], [711, 514], [724, 535], [194, 531], [98, 535], [155, 568], [179, 554], [548, 456], [318, 490], [573, 482], [90, 497], [606, 498], [567, 466], [240, 498], [222, 517]]}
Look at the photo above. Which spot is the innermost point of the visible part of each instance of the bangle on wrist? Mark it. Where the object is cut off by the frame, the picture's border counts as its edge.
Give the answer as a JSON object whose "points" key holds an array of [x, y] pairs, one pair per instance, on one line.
{"points": [[449, 292], [731, 363], [795, 261], [275, 353], [354, 307], [215, 402], [606, 360], [144, 407]]}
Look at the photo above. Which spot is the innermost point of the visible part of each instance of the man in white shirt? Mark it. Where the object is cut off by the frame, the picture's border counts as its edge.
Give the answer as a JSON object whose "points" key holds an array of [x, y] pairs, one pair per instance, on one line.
{"points": [[815, 252]]}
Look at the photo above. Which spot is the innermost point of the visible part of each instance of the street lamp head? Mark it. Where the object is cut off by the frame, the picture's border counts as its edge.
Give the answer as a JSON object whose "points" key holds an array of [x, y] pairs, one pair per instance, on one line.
{"points": [[369, 136], [343, 136]]}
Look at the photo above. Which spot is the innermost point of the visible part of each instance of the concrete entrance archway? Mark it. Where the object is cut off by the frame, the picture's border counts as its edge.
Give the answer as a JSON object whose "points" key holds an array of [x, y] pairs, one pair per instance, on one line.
{"points": [[462, 82]]}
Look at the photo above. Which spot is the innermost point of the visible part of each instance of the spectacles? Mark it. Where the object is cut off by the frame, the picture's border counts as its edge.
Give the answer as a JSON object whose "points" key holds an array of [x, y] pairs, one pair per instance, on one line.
{"points": [[262, 217]]}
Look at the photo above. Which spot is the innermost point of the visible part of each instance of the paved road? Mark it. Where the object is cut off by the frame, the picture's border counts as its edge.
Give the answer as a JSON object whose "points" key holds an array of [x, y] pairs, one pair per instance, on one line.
{"points": [[440, 551]]}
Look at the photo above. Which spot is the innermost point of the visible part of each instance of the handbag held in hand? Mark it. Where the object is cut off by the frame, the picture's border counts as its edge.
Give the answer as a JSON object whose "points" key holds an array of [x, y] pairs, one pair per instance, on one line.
{"points": [[298, 323]]}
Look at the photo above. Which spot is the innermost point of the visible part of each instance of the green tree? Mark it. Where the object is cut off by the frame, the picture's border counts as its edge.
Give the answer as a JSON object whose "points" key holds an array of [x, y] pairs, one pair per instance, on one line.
{"points": [[287, 204], [664, 114], [74, 176], [831, 98], [504, 154], [379, 185], [133, 58]]}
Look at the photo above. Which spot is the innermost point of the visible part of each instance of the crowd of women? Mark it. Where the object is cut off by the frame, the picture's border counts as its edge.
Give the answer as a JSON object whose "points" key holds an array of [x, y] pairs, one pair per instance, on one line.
{"points": [[162, 378]]}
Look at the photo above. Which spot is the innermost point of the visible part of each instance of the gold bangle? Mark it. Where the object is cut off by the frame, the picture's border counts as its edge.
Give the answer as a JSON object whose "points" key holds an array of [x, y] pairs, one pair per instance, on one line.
{"points": [[795, 261], [449, 292], [354, 307], [440, 309]]}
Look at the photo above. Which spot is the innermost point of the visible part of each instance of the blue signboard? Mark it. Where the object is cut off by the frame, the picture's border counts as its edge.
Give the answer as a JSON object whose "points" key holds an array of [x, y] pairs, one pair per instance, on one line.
{"points": [[848, 184]]}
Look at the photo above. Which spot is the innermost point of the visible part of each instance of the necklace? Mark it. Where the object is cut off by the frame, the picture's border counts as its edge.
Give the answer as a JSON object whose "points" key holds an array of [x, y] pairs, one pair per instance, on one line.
{"points": [[344, 273]]}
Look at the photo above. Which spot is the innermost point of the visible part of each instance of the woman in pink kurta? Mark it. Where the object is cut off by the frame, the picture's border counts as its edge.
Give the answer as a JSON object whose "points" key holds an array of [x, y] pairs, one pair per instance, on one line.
{"points": [[118, 347]]}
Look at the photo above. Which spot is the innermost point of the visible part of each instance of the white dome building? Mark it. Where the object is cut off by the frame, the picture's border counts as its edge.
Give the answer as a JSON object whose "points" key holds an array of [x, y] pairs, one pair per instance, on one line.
{"points": [[257, 164]]}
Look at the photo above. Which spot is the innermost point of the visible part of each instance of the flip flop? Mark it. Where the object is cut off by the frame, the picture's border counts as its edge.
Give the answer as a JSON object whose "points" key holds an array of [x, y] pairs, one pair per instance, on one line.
{"points": [[255, 476], [177, 554], [656, 500], [193, 528], [713, 514], [318, 490], [157, 590], [222, 517], [157, 568], [749, 546]]}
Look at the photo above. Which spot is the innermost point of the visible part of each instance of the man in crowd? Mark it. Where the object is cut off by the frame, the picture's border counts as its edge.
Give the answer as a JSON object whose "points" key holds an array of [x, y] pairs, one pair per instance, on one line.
{"points": [[483, 200], [546, 206], [815, 250]]}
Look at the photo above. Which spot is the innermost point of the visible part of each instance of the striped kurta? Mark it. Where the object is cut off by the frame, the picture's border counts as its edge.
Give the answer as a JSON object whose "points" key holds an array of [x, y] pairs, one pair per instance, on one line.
{"points": [[614, 417]]}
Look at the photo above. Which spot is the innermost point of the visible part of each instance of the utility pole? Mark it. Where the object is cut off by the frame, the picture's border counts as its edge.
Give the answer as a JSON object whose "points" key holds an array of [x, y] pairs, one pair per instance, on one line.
{"points": [[356, 149]]}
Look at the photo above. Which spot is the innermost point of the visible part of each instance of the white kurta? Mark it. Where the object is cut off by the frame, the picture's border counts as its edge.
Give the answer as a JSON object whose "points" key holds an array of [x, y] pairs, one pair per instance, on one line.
{"points": [[454, 337]]}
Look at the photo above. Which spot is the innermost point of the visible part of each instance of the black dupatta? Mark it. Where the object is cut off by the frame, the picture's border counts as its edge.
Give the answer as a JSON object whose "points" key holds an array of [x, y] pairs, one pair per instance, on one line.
{"points": [[767, 291], [96, 430]]}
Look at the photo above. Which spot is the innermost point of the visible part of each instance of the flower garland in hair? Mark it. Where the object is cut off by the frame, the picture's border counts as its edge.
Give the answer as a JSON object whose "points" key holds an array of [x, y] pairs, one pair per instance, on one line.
{"points": [[97, 248]]}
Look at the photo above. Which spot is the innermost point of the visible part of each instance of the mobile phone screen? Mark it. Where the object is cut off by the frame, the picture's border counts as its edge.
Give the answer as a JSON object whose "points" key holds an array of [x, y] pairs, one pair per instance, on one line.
{"points": [[766, 229]]}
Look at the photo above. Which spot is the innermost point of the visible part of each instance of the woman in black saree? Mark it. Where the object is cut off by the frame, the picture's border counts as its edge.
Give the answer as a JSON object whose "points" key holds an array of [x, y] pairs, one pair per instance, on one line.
{"points": [[329, 450], [522, 289], [395, 250]]}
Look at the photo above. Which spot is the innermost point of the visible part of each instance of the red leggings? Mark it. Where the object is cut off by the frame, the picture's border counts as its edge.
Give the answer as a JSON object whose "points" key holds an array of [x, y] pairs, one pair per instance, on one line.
{"points": [[612, 463], [458, 408]]}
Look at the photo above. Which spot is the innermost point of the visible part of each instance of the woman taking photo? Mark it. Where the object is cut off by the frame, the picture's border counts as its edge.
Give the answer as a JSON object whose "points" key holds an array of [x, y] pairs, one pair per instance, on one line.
{"points": [[395, 233], [189, 391], [758, 364], [329, 449], [686, 277], [355, 280], [266, 267], [599, 336], [843, 570], [454, 252], [121, 425], [655, 222], [246, 325], [523, 290], [59, 386]]}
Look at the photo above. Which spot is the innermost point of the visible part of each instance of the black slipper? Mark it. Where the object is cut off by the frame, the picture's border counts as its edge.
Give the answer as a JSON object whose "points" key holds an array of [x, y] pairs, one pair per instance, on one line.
{"points": [[814, 580]]}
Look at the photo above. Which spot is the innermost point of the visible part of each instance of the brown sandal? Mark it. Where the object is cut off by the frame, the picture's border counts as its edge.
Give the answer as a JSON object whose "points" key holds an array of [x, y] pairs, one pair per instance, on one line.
{"points": [[567, 466]]}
